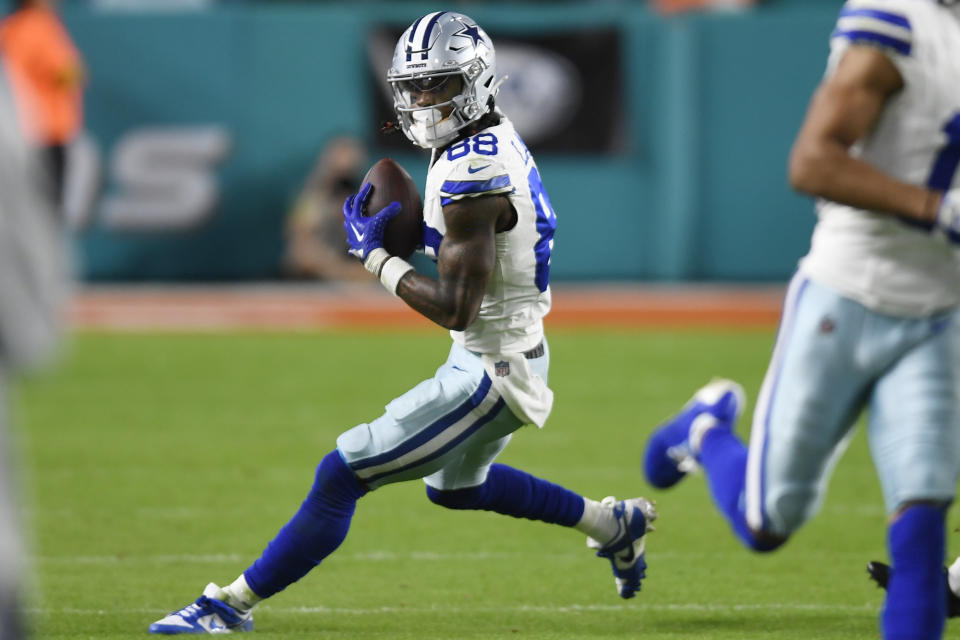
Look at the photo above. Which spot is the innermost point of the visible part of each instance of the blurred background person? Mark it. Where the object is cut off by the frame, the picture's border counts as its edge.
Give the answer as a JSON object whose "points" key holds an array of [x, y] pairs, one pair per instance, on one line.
{"points": [[47, 76], [32, 290], [316, 242]]}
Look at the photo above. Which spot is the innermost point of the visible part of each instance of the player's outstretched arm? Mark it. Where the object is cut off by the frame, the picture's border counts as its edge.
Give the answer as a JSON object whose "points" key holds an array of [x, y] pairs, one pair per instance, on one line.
{"points": [[464, 263], [843, 110]]}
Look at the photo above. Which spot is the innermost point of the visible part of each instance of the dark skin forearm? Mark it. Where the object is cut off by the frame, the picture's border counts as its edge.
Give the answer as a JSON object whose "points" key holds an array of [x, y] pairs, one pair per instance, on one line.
{"points": [[453, 299], [464, 264], [844, 109]]}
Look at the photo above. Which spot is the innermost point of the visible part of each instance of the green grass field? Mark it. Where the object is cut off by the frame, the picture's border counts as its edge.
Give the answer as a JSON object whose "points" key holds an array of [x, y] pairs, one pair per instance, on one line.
{"points": [[157, 463]]}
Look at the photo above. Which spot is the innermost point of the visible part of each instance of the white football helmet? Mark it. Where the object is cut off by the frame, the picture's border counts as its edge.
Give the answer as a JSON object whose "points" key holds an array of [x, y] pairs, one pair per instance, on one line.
{"points": [[439, 49]]}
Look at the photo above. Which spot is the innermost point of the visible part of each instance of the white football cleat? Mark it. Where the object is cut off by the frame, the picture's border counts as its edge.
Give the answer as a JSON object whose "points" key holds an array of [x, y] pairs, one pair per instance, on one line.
{"points": [[208, 614], [626, 550]]}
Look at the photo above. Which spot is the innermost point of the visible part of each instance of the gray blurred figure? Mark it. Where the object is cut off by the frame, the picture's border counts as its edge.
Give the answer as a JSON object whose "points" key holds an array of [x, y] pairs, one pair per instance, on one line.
{"points": [[33, 287]]}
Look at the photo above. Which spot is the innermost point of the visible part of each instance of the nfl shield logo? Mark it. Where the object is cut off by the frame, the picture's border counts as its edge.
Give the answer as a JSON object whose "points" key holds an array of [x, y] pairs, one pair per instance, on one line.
{"points": [[501, 368]]}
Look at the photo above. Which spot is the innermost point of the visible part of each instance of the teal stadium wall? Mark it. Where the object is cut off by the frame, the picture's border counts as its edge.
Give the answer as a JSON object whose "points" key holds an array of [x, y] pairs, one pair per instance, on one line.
{"points": [[698, 192]]}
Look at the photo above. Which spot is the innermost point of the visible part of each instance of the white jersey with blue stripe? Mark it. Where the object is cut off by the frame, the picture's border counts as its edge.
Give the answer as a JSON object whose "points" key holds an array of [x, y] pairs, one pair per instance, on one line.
{"points": [[495, 161], [881, 261]]}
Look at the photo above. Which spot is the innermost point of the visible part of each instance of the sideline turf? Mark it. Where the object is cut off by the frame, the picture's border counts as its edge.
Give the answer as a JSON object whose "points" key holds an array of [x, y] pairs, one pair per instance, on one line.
{"points": [[154, 464]]}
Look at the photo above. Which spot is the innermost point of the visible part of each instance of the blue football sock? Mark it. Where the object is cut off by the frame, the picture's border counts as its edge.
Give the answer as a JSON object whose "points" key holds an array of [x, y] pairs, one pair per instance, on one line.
{"points": [[313, 533], [724, 459], [515, 493], [916, 605]]}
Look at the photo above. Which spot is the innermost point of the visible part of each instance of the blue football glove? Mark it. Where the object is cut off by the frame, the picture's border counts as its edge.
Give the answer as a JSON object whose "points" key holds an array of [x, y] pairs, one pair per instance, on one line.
{"points": [[365, 234]]}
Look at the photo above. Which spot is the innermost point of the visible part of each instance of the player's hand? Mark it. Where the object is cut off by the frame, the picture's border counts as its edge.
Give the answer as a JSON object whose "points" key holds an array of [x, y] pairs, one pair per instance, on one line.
{"points": [[364, 234], [948, 215]]}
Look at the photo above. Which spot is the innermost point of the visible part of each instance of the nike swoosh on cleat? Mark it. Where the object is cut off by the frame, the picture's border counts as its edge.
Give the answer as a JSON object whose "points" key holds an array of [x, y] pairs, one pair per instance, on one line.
{"points": [[472, 170], [210, 624]]}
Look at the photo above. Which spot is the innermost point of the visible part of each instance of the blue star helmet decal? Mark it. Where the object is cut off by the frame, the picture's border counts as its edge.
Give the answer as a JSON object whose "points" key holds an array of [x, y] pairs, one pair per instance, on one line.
{"points": [[472, 32]]}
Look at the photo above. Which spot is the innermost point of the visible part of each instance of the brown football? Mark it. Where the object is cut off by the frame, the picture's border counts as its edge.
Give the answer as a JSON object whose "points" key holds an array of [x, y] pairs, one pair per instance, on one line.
{"points": [[392, 183]]}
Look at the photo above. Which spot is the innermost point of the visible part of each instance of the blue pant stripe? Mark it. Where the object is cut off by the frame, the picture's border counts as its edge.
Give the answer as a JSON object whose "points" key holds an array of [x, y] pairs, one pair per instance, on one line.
{"points": [[428, 434], [490, 415]]}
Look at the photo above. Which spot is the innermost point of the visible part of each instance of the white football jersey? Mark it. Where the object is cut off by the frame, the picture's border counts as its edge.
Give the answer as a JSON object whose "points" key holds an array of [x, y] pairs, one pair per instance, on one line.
{"points": [[889, 265], [496, 161]]}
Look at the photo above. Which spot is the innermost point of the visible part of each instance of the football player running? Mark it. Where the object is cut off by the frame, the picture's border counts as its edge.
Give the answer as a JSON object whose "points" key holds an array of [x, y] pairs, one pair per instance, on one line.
{"points": [[489, 224], [870, 320]]}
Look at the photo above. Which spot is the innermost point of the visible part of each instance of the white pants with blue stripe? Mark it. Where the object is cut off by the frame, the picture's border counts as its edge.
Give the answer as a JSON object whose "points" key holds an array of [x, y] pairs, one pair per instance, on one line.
{"points": [[834, 358], [447, 430]]}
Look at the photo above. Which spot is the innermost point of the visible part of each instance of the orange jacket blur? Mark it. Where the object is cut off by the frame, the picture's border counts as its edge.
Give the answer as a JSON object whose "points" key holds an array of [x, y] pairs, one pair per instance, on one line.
{"points": [[46, 74], [677, 6]]}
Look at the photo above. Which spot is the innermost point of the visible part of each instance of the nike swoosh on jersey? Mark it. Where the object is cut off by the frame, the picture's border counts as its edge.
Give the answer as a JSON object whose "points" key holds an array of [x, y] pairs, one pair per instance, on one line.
{"points": [[472, 170]]}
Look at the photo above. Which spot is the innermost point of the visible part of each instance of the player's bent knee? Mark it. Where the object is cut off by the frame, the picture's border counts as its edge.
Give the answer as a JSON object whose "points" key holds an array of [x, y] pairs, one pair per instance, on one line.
{"points": [[763, 542], [457, 498], [335, 481], [784, 516]]}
